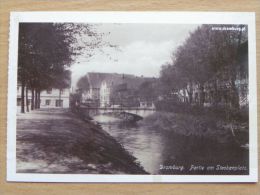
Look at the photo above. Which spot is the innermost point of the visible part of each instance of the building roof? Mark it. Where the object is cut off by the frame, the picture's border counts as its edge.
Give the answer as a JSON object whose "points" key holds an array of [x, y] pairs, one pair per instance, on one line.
{"points": [[115, 80], [95, 79]]}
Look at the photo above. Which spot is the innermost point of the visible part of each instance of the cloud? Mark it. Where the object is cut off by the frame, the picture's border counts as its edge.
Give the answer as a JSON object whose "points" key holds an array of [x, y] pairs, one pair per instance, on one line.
{"points": [[143, 49], [138, 58]]}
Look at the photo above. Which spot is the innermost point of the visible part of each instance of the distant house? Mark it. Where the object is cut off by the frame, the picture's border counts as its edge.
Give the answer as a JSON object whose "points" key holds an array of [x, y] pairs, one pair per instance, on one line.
{"points": [[122, 91], [55, 98], [93, 93], [113, 89], [51, 98], [147, 104], [223, 96]]}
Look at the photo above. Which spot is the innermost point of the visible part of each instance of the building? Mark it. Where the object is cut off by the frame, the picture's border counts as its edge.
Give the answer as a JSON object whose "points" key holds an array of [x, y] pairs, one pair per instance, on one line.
{"points": [[123, 91], [55, 98], [105, 94], [113, 90], [147, 105], [93, 93], [51, 98]]}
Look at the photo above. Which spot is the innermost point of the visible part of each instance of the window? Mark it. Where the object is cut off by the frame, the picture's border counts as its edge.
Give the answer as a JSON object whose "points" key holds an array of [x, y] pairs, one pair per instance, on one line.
{"points": [[59, 103], [47, 102], [49, 91]]}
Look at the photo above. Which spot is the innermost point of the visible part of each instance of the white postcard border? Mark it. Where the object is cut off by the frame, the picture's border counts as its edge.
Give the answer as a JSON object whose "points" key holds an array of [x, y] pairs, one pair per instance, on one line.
{"points": [[130, 17]]}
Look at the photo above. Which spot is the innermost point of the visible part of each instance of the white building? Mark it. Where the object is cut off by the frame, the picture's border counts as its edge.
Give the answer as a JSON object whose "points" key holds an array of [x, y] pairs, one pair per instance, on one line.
{"points": [[92, 94], [113, 89], [55, 98], [52, 98], [147, 105], [104, 94]]}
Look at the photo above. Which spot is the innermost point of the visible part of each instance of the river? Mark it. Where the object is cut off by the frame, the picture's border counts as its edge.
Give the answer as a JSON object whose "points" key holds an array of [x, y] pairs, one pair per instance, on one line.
{"points": [[162, 153], [147, 148]]}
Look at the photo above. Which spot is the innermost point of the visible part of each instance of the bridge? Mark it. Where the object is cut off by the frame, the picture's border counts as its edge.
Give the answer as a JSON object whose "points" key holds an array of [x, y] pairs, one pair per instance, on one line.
{"points": [[142, 112]]}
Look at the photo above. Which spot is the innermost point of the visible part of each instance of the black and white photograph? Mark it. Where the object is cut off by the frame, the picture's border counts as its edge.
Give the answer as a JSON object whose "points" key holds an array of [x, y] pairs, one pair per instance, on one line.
{"points": [[132, 97]]}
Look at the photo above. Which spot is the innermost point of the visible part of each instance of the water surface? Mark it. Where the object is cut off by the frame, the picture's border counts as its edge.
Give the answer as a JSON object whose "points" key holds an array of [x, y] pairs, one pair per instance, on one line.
{"points": [[160, 152]]}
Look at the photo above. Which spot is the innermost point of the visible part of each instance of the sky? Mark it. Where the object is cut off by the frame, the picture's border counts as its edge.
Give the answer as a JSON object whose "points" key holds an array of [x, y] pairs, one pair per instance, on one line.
{"points": [[141, 49]]}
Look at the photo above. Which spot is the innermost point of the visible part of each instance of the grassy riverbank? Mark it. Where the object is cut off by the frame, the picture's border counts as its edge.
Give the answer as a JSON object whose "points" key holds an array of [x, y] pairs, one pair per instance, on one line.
{"points": [[58, 141], [200, 140], [202, 126]]}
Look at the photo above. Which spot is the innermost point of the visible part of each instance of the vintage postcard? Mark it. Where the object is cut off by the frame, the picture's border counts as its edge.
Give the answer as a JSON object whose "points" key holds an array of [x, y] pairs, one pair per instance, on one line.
{"points": [[132, 97]]}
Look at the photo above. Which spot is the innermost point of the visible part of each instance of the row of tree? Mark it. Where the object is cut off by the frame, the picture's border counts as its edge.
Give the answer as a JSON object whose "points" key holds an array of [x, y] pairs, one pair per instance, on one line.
{"points": [[46, 51], [210, 54]]}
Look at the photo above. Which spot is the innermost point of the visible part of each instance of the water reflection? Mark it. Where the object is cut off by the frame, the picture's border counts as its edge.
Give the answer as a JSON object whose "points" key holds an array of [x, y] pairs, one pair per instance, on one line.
{"points": [[146, 147], [155, 148]]}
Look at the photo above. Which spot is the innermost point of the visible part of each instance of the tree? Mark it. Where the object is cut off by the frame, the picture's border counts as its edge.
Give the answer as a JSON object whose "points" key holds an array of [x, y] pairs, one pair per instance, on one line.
{"points": [[169, 79], [148, 90], [83, 83], [207, 55], [225, 59], [62, 81], [47, 50]]}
